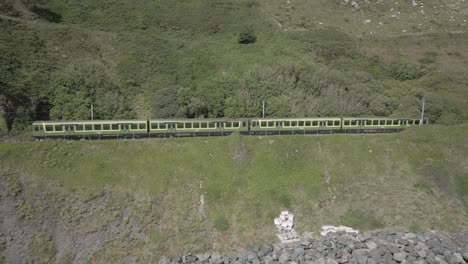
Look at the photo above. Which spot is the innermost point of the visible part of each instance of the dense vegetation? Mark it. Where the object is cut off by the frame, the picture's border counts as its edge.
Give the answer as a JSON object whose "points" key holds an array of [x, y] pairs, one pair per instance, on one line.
{"points": [[223, 58]]}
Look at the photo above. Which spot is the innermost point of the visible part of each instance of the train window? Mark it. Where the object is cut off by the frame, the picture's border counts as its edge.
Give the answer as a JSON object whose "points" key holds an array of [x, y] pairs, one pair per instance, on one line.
{"points": [[382, 122], [353, 122], [124, 126], [49, 128], [114, 126], [301, 123], [142, 126], [106, 127], [389, 122], [154, 125], [69, 127], [211, 125], [180, 125], [337, 123], [294, 123], [263, 123], [204, 125], [88, 127], [314, 123], [287, 123], [36, 128], [416, 122], [244, 124], [375, 122], [228, 124], [236, 124], [133, 126], [78, 127], [97, 127], [188, 125], [396, 122], [346, 122], [308, 123], [162, 126], [329, 123], [271, 124], [196, 125], [58, 128], [410, 122]]}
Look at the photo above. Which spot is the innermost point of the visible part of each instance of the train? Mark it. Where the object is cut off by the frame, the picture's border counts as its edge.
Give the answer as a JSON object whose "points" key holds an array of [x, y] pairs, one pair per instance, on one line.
{"points": [[162, 128]]}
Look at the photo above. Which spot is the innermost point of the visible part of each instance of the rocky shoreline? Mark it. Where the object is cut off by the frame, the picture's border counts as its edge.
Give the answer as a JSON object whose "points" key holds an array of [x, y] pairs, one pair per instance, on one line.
{"points": [[341, 247]]}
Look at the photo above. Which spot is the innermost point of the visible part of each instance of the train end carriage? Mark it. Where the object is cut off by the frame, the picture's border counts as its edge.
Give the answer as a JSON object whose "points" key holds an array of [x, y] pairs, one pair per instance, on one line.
{"points": [[378, 124], [197, 127], [293, 126], [90, 129]]}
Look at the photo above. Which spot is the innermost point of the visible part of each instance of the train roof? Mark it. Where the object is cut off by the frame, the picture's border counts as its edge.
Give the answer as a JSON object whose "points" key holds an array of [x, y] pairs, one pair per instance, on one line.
{"points": [[213, 119]]}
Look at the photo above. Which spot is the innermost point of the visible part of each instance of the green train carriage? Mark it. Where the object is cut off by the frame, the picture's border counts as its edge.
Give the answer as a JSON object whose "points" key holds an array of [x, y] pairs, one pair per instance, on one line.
{"points": [[283, 126], [197, 127], [90, 129], [378, 124]]}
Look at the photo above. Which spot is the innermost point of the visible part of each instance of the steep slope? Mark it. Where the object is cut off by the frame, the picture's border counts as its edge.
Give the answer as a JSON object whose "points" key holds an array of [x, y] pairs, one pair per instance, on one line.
{"points": [[109, 201]]}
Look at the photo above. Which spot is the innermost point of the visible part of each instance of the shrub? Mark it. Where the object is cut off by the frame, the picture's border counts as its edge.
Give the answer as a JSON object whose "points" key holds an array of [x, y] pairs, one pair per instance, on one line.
{"points": [[403, 71], [247, 36]]}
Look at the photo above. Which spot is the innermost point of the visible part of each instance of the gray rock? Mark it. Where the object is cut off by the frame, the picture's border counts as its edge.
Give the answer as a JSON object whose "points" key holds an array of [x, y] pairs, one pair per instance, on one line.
{"points": [[331, 261], [440, 259], [266, 249], [421, 253], [400, 256], [320, 261], [364, 237], [455, 258], [465, 256], [393, 248], [359, 256], [203, 257], [419, 262], [284, 257], [371, 244], [215, 258]]}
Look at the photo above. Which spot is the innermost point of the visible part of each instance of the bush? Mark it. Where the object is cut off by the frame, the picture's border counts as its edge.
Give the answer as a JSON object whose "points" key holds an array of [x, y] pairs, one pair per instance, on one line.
{"points": [[406, 71], [247, 36]]}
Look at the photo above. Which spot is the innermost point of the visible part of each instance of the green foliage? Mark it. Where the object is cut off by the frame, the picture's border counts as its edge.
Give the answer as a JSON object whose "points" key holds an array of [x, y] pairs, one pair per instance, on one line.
{"points": [[247, 36], [80, 86], [383, 105], [123, 59], [402, 70], [165, 102]]}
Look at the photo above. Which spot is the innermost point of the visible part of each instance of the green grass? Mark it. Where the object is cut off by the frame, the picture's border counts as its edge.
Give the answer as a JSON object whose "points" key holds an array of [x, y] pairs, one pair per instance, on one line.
{"points": [[414, 179]]}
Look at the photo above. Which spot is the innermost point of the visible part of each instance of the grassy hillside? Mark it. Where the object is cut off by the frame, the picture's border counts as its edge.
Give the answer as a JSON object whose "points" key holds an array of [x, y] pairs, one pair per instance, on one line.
{"points": [[310, 58], [148, 198]]}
